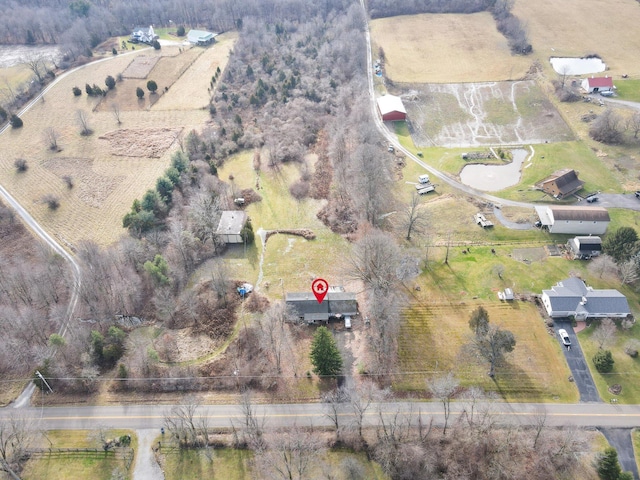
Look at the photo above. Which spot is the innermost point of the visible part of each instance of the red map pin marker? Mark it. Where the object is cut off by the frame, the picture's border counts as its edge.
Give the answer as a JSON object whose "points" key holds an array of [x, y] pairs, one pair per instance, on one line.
{"points": [[319, 287]]}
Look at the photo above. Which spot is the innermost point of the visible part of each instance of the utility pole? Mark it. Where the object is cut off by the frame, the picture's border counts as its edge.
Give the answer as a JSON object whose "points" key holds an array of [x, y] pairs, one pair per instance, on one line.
{"points": [[45, 382]]}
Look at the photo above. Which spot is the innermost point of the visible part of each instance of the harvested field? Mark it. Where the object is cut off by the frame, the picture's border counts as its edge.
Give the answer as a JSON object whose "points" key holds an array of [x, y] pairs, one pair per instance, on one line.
{"points": [[140, 67], [92, 188], [575, 28], [474, 114], [446, 48], [191, 90], [105, 184], [150, 142]]}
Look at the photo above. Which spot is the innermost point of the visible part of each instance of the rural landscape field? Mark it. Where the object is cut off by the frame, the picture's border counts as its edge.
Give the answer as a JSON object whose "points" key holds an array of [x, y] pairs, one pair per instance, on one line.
{"points": [[146, 311]]}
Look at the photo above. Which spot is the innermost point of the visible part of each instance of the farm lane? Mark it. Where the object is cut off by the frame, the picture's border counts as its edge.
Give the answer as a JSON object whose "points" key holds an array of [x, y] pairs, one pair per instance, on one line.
{"points": [[626, 103], [146, 465], [287, 415]]}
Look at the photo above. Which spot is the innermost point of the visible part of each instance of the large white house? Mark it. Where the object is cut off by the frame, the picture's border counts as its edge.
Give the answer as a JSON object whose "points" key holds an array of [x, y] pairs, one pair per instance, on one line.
{"points": [[572, 298], [574, 220]]}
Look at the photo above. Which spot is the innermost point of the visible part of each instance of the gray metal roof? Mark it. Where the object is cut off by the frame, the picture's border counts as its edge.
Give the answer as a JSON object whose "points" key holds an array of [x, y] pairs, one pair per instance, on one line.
{"points": [[334, 303], [231, 222], [572, 295], [595, 214]]}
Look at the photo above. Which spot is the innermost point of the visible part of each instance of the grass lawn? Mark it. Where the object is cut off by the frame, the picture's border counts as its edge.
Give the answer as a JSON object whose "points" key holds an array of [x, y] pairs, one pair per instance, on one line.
{"points": [[231, 464], [626, 370], [96, 466], [628, 89]]}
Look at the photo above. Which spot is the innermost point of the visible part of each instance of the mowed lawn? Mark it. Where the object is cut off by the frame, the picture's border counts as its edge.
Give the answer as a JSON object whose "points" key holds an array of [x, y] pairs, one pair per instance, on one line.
{"points": [[626, 370], [433, 334], [445, 48], [575, 28], [98, 465], [232, 464], [105, 184]]}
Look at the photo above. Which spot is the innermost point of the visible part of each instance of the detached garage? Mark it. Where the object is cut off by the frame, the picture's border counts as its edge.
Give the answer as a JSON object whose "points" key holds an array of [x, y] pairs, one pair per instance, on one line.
{"points": [[391, 108]]}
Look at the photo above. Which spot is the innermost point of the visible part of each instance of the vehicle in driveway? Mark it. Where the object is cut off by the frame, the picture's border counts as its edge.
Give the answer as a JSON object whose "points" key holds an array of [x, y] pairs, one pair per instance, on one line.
{"points": [[347, 322], [564, 336]]}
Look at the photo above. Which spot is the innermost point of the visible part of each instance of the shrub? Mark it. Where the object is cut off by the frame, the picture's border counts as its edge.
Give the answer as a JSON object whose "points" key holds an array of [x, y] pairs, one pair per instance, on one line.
{"points": [[139, 93], [88, 89], [110, 82], [152, 86], [52, 201], [76, 91], [603, 361], [180, 31], [114, 51], [607, 128], [16, 121], [68, 180], [3, 115], [21, 165], [156, 45], [632, 347]]}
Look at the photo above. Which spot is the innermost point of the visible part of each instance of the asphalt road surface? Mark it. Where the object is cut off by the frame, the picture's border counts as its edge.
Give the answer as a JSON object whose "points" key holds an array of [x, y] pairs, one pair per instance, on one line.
{"points": [[620, 439], [139, 417]]}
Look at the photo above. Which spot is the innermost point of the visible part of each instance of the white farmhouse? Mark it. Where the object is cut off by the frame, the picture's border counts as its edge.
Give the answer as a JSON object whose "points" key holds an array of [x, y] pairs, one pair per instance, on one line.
{"points": [[574, 220]]}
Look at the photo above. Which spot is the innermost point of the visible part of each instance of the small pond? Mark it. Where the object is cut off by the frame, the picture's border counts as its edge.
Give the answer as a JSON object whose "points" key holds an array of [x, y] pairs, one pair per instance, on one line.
{"points": [[577, 66], [491, 178]]}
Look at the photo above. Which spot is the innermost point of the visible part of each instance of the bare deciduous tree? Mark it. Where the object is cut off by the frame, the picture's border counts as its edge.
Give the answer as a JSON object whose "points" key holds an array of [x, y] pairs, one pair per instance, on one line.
{"points": [[414, 218], [605, 333], [374, 260], [628, 271], [290, 453], [633, 124], [37, 64], [603, 265], [360, 399], [185, 425], [607, 128], [334, 403], [204, 213], [444, 388], [83, 121], [252, 426], [17, 433], [274, 332], [115, 110], [51, 137]]}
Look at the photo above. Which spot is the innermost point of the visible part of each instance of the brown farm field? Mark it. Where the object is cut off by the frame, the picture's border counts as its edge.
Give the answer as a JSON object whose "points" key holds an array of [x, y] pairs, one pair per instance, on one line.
{"points": [[576, 28], [445, 48], [107, 178]]}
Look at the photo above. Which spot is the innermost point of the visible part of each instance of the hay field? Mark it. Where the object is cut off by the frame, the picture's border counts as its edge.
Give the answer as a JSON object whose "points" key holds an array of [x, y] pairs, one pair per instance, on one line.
{"points": [[105, 184], [579, 27], [472, 114], [190, 91], [445, 48]]}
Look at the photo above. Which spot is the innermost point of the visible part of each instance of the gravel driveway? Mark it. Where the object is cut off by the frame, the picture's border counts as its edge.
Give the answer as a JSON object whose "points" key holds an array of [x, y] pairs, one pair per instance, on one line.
{"points": [[146, 466]]}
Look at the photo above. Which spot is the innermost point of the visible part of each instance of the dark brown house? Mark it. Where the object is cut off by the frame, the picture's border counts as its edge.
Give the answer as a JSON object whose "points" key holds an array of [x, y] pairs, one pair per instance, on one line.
{"points": [[561, 184]]}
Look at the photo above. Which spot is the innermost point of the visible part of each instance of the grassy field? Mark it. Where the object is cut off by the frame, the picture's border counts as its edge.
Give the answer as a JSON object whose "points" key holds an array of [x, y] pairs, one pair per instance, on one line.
{"points": [[575, 28], [626, 370], [305, 259], [628, 89], [105, 184], [230, 464], [445, 48], [96, 466], [636, 445]]}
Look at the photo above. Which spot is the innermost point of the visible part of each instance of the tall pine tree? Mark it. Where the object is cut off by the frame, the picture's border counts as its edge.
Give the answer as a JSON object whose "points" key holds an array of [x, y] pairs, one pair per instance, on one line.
{"points": [[608, 465], [325, 355]]}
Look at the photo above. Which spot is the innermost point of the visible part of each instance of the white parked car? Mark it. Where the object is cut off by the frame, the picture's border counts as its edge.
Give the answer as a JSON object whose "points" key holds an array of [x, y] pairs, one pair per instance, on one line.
{"points": [[347, 322], [564, 336]]}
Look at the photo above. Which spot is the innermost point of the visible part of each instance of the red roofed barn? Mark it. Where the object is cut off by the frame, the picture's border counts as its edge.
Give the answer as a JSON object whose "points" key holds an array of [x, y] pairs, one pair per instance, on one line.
{"points": [[597, 84], [391, 108]]}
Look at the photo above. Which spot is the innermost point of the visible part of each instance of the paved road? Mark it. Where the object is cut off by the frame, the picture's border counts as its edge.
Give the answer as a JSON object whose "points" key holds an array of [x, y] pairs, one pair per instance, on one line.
{"points": [[139, 417], [620, 439], [578, 365]]}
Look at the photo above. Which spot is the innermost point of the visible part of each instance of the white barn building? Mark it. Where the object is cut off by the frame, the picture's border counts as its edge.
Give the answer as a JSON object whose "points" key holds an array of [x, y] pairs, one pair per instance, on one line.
{"points": [[574, 220]]}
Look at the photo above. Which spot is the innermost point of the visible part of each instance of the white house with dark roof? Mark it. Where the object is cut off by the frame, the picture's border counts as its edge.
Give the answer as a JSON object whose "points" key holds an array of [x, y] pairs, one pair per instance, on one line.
{"points": [[231, 224], [574, 220], [573, 298]]}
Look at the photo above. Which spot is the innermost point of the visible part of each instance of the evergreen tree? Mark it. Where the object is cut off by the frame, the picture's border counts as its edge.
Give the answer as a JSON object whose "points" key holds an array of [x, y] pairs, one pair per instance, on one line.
{"points": [[139, 93], [608, 465], [621, 244], [152, 86], [325, 355], [603, 361], [110, 82]]}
